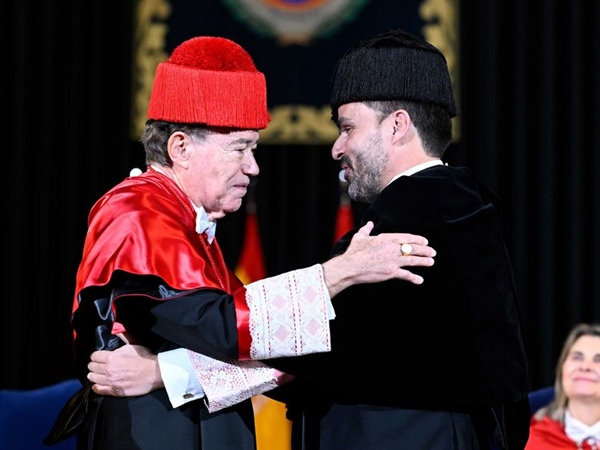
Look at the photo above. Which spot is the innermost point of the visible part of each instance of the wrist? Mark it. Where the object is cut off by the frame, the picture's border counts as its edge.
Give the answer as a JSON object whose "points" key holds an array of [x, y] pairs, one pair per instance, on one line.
{"points": [[336, 276], [157, 381]]}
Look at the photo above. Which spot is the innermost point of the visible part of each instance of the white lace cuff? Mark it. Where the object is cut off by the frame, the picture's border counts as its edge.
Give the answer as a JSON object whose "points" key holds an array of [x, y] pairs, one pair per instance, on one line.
{"points": [[227, 383], [289, 314]]}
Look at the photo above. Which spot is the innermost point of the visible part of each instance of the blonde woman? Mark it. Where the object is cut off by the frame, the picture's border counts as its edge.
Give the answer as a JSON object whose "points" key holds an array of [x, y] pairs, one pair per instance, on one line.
{"points": [[572, 419]]}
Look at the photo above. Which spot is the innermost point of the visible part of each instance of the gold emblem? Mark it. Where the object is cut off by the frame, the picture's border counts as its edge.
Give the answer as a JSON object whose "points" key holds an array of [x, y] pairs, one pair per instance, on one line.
{"points": [[294, 21]]}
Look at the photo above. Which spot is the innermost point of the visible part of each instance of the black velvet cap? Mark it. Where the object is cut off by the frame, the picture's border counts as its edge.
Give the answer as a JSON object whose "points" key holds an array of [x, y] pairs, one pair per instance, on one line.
{"points": [[394, 65]]}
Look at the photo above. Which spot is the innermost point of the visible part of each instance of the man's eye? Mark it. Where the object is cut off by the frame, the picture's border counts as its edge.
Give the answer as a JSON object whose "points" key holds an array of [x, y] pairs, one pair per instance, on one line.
{"points": [[245, 149]]}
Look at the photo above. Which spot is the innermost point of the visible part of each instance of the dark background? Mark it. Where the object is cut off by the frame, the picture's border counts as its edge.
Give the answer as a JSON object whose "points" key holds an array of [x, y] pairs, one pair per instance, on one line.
{"points": [[529, 96]]}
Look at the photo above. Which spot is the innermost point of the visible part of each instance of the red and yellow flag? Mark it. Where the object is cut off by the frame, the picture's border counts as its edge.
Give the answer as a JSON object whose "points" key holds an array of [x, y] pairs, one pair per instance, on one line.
{"points": [[273, 430], [344, 219]]}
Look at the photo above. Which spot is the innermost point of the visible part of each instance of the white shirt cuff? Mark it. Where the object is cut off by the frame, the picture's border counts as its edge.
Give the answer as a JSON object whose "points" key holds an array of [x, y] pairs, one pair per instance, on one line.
{"points": [[178, 376]]}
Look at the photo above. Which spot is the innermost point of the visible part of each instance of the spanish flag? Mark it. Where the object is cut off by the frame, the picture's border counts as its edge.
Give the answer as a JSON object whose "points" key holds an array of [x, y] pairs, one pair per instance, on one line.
{"points": [[273, 430], [344, 220]]}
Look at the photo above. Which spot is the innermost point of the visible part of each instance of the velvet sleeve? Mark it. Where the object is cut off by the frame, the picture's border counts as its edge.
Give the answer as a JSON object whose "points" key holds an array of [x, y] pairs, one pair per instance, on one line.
{"points": [[204, 322]]}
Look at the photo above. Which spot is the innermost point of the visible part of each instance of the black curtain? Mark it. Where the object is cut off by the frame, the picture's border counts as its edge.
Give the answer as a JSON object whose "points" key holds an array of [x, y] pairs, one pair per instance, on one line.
{"points": [[67, 102], [529, 100]]}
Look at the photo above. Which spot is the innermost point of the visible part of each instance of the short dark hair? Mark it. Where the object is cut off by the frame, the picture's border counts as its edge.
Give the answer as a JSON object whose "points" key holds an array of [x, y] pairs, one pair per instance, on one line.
{"points": [[433, 123]]}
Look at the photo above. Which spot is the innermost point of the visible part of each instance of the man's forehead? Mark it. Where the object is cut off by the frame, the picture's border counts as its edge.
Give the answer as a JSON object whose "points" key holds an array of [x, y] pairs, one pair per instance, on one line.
{"points": [[353, 111], [234, 137]]}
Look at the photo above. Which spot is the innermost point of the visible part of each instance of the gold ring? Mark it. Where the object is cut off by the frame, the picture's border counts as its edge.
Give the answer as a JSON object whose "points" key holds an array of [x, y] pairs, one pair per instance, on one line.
{"points": [[406, 249]]}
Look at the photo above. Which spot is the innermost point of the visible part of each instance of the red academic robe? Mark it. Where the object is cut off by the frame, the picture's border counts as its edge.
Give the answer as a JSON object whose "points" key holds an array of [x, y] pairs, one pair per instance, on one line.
{"points": [[548, 434], [142, 250]]}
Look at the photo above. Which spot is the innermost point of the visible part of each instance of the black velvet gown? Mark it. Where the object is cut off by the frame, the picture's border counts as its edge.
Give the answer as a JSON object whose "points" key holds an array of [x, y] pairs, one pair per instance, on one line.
{"points": [[437, 366]]}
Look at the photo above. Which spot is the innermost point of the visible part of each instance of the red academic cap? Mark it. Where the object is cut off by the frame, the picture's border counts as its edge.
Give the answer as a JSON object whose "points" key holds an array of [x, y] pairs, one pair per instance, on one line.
{"points": [[213, 81]]}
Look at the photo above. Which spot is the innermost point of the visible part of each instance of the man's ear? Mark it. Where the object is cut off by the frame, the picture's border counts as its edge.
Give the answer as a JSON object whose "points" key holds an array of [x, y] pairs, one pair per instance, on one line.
{"points": [[401, 123], [401, 120], [177, 146]]}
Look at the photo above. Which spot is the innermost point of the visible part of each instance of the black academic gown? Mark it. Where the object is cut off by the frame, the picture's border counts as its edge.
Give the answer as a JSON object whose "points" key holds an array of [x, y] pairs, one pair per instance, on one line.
{"points": [[436, 366], [149, 422], [142, 253]]}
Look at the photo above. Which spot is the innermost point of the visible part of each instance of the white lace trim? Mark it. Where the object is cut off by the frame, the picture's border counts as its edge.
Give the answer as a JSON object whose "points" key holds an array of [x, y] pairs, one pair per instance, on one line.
{"points": [[288, 314], [227, 383]]}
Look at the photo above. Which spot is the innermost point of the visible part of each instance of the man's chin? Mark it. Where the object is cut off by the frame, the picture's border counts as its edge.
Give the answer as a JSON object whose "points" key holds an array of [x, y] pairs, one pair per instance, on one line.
{"points": [[233, 207]]}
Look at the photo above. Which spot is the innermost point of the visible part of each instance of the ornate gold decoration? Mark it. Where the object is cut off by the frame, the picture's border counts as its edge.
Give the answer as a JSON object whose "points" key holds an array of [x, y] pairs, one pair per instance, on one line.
{"points": [[294, 22], [300, 124], [148, 51], [442, 29], [290, 124]]}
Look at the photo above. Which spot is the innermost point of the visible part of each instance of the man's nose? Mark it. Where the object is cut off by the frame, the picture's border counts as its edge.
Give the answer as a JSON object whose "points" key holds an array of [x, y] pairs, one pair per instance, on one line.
{"points": [[337, 150], [250, 166]]}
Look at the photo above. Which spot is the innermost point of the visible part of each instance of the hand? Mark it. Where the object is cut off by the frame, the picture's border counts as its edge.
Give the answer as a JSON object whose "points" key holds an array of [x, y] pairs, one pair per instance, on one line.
{"points": [[283, 378], [372, 259], [127, 371]]}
